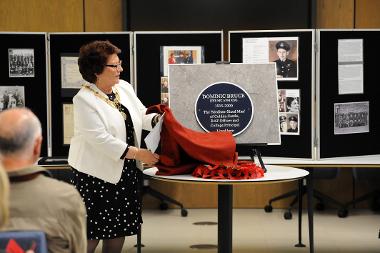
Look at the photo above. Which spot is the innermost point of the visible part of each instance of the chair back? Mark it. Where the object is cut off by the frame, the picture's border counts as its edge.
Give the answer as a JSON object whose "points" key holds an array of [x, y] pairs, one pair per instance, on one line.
{"points": [[366, 174], [22, 241]]}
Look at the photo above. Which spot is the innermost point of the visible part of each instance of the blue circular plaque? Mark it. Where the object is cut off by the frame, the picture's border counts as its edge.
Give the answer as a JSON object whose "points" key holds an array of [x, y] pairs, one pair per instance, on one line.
{"points": [[224, 106]]}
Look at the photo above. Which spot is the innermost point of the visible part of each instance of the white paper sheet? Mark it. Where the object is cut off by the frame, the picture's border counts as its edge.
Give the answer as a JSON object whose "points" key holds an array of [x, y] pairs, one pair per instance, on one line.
{"points": [[153, 138], [71, 77], [350, 66]]}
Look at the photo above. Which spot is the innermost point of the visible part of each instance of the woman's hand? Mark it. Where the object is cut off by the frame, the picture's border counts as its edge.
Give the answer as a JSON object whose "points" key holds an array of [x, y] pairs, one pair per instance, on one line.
{"points": [[143, 155], [146, 156]]}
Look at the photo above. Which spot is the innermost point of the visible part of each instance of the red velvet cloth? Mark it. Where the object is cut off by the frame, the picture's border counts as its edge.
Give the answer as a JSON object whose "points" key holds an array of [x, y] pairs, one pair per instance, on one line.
{"points": [[242, 170], [183, 149]]}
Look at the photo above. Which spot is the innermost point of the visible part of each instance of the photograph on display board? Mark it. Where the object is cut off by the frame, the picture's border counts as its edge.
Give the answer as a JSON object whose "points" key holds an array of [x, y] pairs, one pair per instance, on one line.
{"points": [[165, 99], [282, 100], [292, 104], [21, 62], [351, 118], [289, 107], [177, 55], [293, 123], [11, 96], [281, 50], [71, 78], [180, 55], [164, 84], [68, 123], [283, 123]]}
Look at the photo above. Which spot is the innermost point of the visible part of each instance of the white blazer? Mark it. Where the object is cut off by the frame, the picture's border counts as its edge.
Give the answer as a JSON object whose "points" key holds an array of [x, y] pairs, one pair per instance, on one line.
{"points": [[99, 132]]}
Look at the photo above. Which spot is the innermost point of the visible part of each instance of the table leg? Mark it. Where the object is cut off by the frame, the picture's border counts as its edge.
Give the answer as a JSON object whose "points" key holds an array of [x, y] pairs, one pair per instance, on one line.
{"points": [[225, 218], [309, 184], [300, 195]]}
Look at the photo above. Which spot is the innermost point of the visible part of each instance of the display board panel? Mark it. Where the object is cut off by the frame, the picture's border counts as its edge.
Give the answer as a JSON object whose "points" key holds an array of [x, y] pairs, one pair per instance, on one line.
{"points": [[297, 143], [150, 48], [23, 76], [64, 47], [347, 93]]}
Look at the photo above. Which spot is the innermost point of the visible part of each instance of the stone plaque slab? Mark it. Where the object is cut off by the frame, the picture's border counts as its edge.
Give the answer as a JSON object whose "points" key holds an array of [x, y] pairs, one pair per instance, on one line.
{"points": [[241, 98]]}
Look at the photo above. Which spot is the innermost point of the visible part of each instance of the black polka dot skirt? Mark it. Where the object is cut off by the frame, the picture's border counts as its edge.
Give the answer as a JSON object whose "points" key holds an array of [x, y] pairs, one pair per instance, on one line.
{"points": [[112, 210]]}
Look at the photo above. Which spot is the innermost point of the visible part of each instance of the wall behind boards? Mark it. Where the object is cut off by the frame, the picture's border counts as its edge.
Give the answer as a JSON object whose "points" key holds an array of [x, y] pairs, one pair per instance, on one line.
{"points": [[347, 14], [113, 15], [61, 15]]}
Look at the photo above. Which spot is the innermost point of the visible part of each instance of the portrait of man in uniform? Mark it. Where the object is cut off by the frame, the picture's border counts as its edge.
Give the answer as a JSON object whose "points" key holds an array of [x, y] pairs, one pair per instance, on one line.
{"points": [[285, 66], [293, 124]]}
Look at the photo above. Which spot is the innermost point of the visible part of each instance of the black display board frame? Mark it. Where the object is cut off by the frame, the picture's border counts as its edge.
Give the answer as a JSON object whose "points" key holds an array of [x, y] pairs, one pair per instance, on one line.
{"points": [[292, 146], [330, 145], [36, 88], [147, 47], [69, 44]]}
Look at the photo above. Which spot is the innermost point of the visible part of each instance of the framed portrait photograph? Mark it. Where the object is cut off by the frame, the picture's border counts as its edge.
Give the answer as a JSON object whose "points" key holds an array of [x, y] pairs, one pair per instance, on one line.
{"points": [[293, 124], [68, 123], [11, 96], [289, 107], [180, 55], [165, 99], [351, 118], [71, 78], [281, 50], [164, 84], [21, 62], [176, 55]]}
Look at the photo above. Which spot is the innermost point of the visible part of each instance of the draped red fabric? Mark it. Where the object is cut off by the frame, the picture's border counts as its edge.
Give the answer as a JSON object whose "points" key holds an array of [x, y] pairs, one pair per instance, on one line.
{"points": [[243, 170], [183, 149]]}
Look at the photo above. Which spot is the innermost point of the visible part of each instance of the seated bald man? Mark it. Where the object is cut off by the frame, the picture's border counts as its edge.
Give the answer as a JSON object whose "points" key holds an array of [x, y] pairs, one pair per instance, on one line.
{"points": [[38, 202]]}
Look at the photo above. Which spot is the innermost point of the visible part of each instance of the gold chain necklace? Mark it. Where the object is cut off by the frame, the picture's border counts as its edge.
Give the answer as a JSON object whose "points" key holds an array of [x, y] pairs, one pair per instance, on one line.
{"points": [[114, 103]]}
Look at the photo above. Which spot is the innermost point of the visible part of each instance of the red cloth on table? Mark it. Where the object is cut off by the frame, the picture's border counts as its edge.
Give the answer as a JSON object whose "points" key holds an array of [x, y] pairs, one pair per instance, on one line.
{"points": [[182, 149]]}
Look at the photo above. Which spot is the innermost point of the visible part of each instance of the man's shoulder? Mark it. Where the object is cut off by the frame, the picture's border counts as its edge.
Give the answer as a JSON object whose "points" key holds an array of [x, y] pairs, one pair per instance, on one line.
{"points": [[62, 195], [58, 184], [58, 189]]}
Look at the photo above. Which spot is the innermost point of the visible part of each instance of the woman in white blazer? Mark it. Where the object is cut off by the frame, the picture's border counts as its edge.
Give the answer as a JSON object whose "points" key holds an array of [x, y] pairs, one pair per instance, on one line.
{"points": [[104, 152]]}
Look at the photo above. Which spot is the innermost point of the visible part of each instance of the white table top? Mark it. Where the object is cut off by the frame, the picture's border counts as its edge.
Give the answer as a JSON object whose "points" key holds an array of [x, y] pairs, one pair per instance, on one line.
{"points": [[274, 173], [348, 161]]}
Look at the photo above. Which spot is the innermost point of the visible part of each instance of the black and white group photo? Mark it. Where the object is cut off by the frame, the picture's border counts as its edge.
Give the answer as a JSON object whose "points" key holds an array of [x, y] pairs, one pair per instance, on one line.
{"points": [[21, 62], [11, 96]]}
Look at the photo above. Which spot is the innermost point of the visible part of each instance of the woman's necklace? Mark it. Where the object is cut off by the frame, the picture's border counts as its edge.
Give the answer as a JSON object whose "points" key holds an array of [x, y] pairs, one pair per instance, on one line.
{"points": [[114, 103]]}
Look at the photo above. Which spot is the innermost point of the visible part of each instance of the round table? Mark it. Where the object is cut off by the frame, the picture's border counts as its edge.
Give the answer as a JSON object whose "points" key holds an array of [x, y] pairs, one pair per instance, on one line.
{"points": [[225, 197]]}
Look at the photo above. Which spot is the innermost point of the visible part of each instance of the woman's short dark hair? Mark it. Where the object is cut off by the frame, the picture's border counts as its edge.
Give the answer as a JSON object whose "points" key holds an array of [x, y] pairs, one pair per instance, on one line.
{"points": [[289, 101], [93, 58]]}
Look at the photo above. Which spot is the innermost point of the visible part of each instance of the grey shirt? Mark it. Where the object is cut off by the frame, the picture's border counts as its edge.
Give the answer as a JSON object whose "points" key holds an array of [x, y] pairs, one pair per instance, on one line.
{"points": [[41, 203]]}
